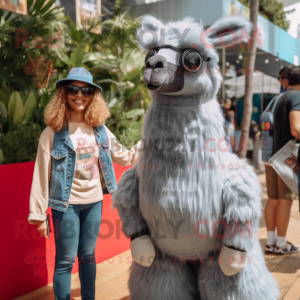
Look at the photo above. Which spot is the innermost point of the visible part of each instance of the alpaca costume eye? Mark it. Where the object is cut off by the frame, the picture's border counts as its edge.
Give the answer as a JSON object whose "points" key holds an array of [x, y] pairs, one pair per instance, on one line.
{"points": [[190, 59]]}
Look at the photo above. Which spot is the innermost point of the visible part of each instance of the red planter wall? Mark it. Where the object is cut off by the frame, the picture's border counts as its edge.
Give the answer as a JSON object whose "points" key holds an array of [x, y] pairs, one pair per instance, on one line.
{"points": [[27, 260]]}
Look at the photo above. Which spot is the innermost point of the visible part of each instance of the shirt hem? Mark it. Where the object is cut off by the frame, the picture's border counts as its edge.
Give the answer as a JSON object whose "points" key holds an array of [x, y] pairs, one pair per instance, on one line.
{"points": [[84, 201]]}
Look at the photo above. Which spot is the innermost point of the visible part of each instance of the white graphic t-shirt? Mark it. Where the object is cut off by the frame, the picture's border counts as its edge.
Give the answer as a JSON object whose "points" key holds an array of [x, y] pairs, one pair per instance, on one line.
{"points": [[86, 182]]}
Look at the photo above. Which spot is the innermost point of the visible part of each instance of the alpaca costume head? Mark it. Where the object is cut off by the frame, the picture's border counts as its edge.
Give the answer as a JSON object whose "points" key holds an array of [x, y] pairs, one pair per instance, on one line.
{"points": [[163, 73]]}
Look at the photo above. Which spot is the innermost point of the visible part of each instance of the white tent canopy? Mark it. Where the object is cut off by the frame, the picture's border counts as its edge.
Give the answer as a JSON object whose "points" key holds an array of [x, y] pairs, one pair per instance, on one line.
{"points": [[262, 84]]}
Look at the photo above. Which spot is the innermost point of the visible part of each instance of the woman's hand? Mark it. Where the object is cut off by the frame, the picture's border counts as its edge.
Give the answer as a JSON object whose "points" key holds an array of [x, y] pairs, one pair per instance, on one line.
{"points": [[41, 227]]}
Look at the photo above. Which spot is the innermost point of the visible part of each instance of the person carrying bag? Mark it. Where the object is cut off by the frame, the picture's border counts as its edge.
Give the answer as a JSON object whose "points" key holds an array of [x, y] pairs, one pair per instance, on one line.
{"points": [[285, 160], [282, 165]]}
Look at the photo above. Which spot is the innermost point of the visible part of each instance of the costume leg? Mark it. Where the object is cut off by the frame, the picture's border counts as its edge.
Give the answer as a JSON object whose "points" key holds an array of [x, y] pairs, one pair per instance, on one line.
{"points": [[255, 282], [165, 279]]}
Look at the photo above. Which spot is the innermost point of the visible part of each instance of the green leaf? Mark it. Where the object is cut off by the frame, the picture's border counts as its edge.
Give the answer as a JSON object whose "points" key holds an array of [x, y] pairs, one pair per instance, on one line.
{"points": [[23, 97], [1, 157], [29, 3], [112, 102], [28, 108], [38, 5], [50, 11], [8, 91], [7, 16], [3, 97], [77, 56], [15, 107], [134, 113], [47, 6], [23, 140], [62, 56], [3, 113]]}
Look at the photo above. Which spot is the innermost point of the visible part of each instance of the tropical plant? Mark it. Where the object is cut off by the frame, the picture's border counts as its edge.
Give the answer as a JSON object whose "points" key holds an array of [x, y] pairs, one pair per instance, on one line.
{"points": [[84, 34], [17, 110], [118, 69], [5, 95], [3, 115], [1, 157], [113, 58], [117, 65], [273, 11], [20, 109], [20, 145], [43, 98], [27, 42]]}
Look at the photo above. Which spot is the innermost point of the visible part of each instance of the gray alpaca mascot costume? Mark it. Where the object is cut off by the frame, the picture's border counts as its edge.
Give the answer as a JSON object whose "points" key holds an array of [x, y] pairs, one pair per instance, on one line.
{"points": [[191, 208]]}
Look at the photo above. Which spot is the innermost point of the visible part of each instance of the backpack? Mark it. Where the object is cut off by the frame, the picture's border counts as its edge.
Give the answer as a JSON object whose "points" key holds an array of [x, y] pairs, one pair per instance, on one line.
{"points": [[267, 122]]}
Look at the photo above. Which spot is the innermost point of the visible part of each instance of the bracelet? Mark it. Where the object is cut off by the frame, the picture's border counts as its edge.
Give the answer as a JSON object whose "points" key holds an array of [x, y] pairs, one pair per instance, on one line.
{"points": [[234, 248], [144, 231]]}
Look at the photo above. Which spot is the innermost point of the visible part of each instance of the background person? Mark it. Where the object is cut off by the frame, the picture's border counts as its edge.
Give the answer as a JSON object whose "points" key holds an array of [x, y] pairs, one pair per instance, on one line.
{"points": [[286, 127], [227, 105], [283, 79]]}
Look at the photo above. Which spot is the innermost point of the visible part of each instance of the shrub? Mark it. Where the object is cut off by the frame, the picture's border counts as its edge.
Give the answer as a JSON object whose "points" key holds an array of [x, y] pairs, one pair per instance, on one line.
{"points": [[20, 145]]}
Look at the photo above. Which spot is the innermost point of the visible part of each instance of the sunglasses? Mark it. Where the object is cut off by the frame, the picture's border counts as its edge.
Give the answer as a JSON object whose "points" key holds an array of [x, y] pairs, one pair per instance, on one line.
{"points": [[85, 91], [190, 59], [281, 77]]}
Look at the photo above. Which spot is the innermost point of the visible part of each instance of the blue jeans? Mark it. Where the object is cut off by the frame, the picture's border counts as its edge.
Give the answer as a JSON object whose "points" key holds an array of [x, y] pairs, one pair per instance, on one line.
{"points": [[76, 230]]}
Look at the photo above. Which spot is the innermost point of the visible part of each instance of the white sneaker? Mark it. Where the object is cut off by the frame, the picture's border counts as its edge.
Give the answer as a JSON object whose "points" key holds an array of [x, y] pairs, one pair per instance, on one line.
{"points": [[289, 248]]}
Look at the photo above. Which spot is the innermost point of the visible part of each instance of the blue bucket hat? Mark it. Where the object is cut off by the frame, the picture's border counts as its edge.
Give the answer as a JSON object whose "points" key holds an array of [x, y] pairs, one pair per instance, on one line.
{"points": [[81, 74]]}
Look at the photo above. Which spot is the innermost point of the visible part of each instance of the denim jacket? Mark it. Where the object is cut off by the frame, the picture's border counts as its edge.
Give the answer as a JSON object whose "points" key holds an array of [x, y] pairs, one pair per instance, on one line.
{"points": [[63, 158]]}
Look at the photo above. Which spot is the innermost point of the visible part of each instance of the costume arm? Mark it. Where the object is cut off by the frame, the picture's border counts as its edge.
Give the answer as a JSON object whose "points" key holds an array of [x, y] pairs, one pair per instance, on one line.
{"points": [[242, 204], [126, 200]]}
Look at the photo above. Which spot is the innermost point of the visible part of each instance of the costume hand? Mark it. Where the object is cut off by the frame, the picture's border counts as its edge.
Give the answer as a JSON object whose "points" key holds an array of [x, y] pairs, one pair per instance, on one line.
{"points": [[42, 228], [142, 250], [232, 261]]}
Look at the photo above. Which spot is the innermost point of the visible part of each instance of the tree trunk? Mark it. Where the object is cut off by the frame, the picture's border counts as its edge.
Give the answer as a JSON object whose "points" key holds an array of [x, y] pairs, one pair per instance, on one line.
{"points": [[247, 114]]}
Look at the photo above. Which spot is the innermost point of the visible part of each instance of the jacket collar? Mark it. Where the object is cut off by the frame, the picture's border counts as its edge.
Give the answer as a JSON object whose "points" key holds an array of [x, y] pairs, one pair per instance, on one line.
{"points": [[64, 133], [100, 131]]}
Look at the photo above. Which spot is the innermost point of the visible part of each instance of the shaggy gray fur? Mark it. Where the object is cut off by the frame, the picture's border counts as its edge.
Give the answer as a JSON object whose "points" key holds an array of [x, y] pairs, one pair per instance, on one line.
{"points": [[184, 176]]}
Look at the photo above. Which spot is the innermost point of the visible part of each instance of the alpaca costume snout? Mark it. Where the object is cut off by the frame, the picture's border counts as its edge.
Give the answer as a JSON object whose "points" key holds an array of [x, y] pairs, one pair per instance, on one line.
{"points": [[187, 198]]}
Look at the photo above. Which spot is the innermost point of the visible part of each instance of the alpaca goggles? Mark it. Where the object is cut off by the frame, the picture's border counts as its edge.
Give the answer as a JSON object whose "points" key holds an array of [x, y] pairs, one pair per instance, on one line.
{"points": [[190, 59], [85, 91]]}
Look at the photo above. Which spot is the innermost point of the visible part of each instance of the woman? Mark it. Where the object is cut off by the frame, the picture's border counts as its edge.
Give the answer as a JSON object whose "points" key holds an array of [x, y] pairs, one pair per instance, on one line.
{"points": [[73, 170]]}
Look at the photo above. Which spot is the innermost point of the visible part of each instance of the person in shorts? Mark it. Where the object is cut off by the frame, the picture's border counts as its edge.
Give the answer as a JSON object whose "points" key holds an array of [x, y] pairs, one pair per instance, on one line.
{"points": [[286, 127]]}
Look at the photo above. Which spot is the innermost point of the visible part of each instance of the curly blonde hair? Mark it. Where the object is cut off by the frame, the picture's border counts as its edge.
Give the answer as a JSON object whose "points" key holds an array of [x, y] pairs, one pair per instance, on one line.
{"points": [[57, 110]]}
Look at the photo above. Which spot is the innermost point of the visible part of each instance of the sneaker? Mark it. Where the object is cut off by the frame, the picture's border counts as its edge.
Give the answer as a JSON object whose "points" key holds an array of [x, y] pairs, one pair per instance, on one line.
{"points": [[270, 249], [289, 248]]}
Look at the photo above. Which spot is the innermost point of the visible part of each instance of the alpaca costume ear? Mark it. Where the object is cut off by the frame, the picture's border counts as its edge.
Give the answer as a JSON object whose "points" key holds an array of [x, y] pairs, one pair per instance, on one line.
{"points": [[149, 34], [227, 32]]}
